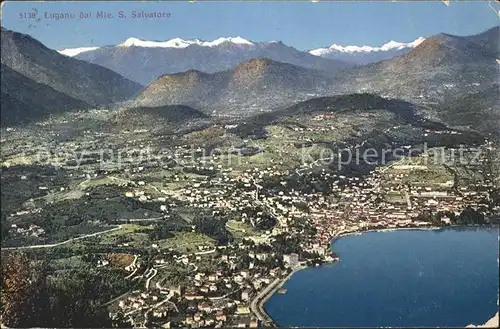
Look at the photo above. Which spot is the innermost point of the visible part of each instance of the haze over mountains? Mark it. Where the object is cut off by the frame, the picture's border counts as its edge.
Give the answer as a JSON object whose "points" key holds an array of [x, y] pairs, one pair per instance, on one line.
{"points": [[144, 61], [258, 84], [139, 59], [91, 83], [24, 99], [441, 68], [438, 70], [366, 54], [238, 78], [38, 79]]}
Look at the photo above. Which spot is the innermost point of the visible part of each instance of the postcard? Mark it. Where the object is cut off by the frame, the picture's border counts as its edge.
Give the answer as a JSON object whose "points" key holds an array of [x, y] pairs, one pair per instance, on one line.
{"points": [[212, 164]]}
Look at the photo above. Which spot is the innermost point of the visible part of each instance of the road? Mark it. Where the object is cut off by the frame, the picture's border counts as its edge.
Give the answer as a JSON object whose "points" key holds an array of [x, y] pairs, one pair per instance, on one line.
{"points": [[83, 236], [393, 164], [148, 280], [235, 228], [131, 274], [64, 242], [226, 295], [136, 257], [158, 285], [211, 251], [141, 219], [408, 199], [149, 309], [255, 304]]}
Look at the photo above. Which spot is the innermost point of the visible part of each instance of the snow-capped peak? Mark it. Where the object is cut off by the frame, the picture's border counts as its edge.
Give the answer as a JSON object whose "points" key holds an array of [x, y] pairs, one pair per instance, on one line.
{"points": [[75, 51], [181, 43], [391, 45], [416, 42], [172, 43], [235, 40]]}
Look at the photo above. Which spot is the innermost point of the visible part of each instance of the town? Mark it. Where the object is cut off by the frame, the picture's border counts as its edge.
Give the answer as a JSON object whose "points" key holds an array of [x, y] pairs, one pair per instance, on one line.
{"points": [[205, 238], [280, 230], [232, 292]]}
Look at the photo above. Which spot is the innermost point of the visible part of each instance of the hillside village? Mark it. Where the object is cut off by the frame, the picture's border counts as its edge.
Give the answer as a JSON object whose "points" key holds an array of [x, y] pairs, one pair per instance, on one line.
{"points": [[148, 193], [229, 291]]}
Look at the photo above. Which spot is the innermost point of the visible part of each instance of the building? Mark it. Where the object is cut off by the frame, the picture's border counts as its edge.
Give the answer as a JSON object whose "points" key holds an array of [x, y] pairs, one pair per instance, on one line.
{"points": [[242, 310], [245, 294], [291, 260]]}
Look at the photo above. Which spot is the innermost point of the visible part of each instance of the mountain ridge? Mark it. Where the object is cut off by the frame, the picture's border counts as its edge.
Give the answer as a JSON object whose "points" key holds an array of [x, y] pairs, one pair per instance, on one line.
{"points": [[258, 83], [24, 99], [145, 64], [183, 43], [350, 54], [432, 70], [93, 84]]}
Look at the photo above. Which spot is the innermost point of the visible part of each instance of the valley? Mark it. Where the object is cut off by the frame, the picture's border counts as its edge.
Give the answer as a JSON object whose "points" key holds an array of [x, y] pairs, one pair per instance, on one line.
{"points": [[181, 183], [197, 201]]}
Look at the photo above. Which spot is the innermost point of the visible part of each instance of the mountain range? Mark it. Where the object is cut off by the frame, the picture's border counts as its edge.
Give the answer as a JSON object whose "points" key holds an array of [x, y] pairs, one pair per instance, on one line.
{"points": [[161, 119], [438, 70], [38, 81], [366, 54], [435, 73], [258, 84], [24, 99], [441, 68], [438, 73], [143, 61], [139, 60], [78, 79]]}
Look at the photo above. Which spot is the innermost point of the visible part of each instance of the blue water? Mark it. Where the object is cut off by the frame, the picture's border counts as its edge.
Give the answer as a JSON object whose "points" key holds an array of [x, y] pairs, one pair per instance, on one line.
{"points": [[446, 277]]}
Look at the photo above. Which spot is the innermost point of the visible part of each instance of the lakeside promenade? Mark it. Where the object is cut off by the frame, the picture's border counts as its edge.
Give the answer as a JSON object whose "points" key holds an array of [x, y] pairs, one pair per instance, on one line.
{"points": [[257, 304]]}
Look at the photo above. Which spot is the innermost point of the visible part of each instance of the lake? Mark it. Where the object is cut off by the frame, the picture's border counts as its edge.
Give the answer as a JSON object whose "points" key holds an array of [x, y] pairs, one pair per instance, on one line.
{"points": [[446, 277]]}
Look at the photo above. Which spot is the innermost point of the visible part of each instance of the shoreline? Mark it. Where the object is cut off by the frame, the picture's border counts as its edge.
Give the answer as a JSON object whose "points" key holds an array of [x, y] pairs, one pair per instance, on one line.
{"points": [[274, 286], [267, 293], [408, 228], [337, 237]]}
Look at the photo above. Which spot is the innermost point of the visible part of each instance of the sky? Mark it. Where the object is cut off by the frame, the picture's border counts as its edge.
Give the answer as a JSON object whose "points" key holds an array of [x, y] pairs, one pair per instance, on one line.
{"points": [[303, 25]]}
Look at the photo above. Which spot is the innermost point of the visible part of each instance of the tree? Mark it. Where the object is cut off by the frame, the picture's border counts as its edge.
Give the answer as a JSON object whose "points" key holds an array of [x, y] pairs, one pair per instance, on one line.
{"points": [[213, 227], [471, 216], [31, 298], [4, 228], [24, 298], [70, 307]]}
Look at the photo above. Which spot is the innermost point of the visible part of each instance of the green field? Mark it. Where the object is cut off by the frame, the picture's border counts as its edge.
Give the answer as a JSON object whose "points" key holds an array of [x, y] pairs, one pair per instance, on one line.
{"points": [[185, 242], [240, 230]]}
